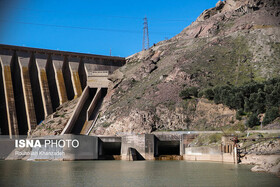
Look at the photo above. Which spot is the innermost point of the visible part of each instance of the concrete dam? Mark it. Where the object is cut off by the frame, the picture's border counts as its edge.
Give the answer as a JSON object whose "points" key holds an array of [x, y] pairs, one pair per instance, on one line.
{"points": [[34, 82]]}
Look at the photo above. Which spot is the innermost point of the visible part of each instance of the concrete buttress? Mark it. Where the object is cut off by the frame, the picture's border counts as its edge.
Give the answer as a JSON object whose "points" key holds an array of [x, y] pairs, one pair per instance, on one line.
{"points": [[74, 70], [23, 60], [41, 62], [8, 100], [57, 62]]}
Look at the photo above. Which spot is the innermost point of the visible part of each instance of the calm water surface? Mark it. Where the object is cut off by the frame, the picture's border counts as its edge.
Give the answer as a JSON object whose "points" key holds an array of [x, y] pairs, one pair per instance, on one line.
{"points": [[125, 173]]}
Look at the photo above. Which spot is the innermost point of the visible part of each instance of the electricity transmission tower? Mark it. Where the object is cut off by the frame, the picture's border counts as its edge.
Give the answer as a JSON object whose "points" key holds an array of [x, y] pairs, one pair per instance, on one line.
{"points": [[145, 44]]}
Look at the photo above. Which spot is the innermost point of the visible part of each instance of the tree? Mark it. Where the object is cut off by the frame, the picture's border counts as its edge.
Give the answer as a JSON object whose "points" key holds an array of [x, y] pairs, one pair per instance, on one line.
{"points": [[259, 105], [253, 120], [272, 99], [239, 100], [271, 114]]}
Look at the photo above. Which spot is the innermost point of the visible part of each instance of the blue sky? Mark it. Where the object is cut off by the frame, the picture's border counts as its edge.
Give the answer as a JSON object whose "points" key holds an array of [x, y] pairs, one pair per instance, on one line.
{"points": [[90, 26]]}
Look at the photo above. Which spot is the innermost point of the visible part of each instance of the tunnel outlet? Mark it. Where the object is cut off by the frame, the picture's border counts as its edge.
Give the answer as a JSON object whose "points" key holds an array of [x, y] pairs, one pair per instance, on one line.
{"points": [[110, 149], [168, 150]]}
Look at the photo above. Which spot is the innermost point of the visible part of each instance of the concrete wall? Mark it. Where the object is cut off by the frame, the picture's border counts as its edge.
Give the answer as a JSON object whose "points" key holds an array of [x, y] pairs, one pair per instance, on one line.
{"points": [[143, 144], [130, 147], [34, 82], [87, 150], [208, 154], [94, 103], [133, 141], [70, 124], [149, 147], [7, 145], [98, 79]]}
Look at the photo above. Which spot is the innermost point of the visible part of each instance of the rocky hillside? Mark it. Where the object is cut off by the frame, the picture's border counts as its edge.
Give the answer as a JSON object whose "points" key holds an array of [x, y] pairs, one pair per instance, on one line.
{"points": [[235, 42], [55, 123]]}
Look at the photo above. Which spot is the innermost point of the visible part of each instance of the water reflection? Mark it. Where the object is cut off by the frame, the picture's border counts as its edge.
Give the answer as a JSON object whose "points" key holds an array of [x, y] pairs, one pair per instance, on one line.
{"points": [[124, 173]]}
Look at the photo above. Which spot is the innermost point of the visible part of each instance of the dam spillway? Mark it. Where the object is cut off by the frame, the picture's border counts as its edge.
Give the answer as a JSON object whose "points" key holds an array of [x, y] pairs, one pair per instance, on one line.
{"points": [[34, 82]]}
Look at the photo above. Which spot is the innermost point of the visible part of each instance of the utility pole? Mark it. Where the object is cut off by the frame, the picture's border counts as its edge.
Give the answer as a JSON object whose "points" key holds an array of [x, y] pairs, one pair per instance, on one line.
{"points": [[145, 44], [110, 52]]}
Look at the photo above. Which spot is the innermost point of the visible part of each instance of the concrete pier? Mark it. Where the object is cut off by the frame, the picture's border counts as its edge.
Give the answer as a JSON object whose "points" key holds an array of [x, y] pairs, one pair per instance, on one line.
{"points": [[143, 144], [57, 62], [19, 96], [34, 82], [8, 109], [41, 63], [67, 75], [82, 74], [4, 125], [75, 78], [24, 60], [34, 74]]}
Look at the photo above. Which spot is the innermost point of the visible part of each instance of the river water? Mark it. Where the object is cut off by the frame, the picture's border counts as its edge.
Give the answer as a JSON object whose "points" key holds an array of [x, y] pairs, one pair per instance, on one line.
{"points": [[125, 173]]}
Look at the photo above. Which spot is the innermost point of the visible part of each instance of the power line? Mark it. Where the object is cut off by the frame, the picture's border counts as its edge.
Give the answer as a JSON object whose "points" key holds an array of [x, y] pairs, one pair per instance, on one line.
{"points": [[85, 28], [108, 16]]}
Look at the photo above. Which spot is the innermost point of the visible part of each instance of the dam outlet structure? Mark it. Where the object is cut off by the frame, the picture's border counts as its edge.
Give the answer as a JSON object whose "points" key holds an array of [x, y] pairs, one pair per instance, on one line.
{"points": [[35, 82]]}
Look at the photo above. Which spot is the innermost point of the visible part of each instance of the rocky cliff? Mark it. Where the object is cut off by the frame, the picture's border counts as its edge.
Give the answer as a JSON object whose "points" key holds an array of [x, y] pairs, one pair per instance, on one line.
{"points": [[235, 42]]}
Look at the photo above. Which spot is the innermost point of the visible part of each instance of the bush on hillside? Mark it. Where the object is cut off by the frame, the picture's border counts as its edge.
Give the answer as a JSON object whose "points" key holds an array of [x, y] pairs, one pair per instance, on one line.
{"points": [[189, 92], [253, 120], [251, 97], [270, 115]]}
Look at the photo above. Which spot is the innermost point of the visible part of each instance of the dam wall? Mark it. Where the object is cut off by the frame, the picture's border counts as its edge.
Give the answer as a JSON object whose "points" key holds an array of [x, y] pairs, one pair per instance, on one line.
{"points": [[34, 82]]}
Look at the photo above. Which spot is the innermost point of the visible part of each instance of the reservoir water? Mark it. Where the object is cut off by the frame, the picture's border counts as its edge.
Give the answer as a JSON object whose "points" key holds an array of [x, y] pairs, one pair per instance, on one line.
{"points": [[125, 173]]}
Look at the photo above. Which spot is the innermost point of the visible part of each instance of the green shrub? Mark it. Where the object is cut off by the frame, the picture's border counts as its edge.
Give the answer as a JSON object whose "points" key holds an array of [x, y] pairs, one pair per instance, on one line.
{"points": [[271, 114], [200, 94], [253, 120], [106, 124], [189, 92], [209, 94]]}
